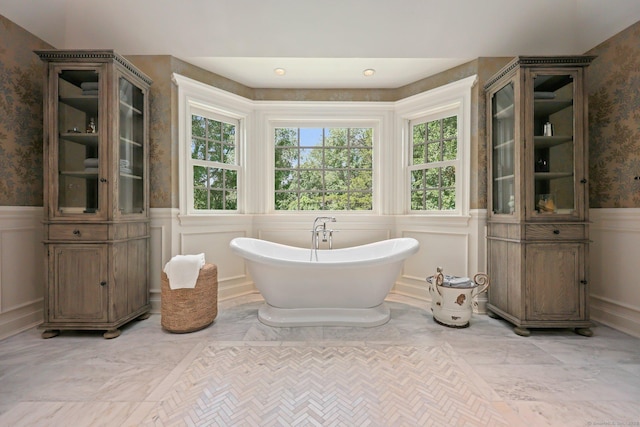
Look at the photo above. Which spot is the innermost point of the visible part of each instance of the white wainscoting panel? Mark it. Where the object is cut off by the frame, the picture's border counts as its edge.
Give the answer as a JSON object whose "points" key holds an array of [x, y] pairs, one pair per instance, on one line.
{"points": [[456, 244], [163, 222], [613, 260], [21, 269], [211, 235], [215, 246]]}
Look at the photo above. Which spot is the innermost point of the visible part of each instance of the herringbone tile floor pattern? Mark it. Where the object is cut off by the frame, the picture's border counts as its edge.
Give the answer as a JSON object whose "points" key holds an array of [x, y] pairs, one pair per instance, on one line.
{"points": [[324, 386], [238, 372]]}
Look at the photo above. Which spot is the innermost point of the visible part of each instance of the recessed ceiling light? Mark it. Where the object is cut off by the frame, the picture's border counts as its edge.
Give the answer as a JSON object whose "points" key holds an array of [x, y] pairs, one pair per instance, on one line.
{"points": [[280, 71], [369, 72]]}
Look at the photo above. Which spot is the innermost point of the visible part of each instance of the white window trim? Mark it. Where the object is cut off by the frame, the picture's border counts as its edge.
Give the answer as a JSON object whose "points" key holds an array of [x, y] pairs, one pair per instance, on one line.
{"points": [[191, 162], [441, 164], [453, 98], [391, 179], [197, 98], [326, 123]]}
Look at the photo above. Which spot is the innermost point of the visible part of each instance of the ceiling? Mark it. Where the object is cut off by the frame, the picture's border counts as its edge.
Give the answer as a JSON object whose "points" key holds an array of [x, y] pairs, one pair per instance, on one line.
{"points": [[325, 43]]}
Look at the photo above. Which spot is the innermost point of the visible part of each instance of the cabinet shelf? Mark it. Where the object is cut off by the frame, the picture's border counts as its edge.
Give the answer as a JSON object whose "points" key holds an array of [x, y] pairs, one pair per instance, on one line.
{"points": [[539, 176], [77, 77], [504, 178], [87, 104], [88, 139], [80, 174], [551, 83], [551, 141], [545, 107]]}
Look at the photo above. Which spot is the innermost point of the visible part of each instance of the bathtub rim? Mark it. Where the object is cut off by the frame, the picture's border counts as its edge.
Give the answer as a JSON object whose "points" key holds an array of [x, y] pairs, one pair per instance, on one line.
{"points": [[412, 247], [295, 317]]}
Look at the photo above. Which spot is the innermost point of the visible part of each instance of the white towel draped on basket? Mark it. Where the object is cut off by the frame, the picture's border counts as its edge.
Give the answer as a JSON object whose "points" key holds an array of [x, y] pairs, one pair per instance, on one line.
{"points": [[183, 270]]}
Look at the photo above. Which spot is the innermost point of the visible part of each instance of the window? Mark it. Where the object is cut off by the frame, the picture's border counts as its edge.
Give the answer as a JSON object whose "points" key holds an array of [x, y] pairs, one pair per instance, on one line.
{"points": [[238, 156], [213, 164], [323, 168], [434, 163]]}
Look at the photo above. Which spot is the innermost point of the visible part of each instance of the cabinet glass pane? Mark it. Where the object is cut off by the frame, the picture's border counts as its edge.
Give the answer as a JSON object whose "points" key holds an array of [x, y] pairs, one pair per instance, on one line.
{"points": [[553, 131], [131, 139], [78, 141], [503, 152]]}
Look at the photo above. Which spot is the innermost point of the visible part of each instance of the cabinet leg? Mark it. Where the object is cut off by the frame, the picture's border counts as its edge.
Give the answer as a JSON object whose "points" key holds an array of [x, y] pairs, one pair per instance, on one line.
{"points": [[523, 332], [585, 332], [112, 333], [144, 316], [50, 333], [492, 315]]}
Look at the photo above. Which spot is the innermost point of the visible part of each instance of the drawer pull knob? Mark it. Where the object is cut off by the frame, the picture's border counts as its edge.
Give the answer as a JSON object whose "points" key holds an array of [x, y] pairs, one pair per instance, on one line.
{"points": [[584, 282], [76, 232], [556, 231], [103, 283]]}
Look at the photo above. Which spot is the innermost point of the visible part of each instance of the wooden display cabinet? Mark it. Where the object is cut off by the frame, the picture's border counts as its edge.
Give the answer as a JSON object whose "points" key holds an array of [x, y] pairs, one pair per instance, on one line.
{"points": [[96, 162], [537, 227]]}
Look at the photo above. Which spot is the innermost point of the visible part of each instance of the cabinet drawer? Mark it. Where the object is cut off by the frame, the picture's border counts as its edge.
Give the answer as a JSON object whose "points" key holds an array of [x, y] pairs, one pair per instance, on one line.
{"points": [[78, 232], [555, 232]]}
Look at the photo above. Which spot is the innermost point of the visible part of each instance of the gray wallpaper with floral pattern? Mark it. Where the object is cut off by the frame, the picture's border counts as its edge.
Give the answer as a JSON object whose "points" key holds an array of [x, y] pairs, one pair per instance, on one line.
{"points": [[20, 116], [614, 121], [614, 97]]}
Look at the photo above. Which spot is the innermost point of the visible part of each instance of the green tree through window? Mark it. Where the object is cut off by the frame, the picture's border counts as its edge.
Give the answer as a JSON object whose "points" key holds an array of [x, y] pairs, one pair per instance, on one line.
{"points": [[323, 168], [213, 154], [433, 164]]}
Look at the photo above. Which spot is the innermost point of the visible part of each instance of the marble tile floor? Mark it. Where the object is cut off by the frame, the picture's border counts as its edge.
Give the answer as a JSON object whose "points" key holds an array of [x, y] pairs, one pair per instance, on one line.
{"points": [[552, 378]]}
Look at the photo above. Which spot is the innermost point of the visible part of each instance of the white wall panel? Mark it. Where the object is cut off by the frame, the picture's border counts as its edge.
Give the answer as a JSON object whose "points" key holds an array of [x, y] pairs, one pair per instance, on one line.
{"points": [[613, 261], [215, 246], [21, 269], [437, 249]]}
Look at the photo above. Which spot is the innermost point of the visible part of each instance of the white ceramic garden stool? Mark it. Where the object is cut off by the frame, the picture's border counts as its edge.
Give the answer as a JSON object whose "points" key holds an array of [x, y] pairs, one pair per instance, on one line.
{"points": [[451, 297]]}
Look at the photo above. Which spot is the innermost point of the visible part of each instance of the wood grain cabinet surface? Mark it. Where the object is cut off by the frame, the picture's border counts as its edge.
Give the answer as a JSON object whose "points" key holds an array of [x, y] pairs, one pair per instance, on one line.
{"points": [[537, 226], [96, 162]]}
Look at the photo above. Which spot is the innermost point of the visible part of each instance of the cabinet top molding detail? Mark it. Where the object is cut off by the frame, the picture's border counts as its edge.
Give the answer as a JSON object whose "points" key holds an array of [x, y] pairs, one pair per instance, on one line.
{"points": [[105, 55], [541, 61]]}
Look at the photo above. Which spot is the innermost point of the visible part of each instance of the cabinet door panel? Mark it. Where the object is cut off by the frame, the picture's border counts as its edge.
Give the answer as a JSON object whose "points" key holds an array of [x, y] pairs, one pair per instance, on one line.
{"points": [[78, 292], [138, 290], [499, 274], [554, 274]]}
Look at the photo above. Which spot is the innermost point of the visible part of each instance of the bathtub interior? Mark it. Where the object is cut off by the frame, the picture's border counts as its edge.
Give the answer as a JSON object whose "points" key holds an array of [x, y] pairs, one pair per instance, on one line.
{"points": [[264, 251]]}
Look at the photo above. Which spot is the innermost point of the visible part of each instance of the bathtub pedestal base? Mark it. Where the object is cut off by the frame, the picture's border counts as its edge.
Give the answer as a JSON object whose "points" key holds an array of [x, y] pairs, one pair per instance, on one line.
{"points": [[288, 317]]}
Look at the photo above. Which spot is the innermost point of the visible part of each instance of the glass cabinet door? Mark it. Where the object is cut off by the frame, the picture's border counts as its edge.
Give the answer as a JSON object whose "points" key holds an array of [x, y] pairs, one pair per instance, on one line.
{"points": [[131, 148], [503, 151], [78, 142], [553, 145]]}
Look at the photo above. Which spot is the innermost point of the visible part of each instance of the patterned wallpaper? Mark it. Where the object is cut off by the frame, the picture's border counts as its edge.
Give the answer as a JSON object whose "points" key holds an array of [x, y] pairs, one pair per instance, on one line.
{"points": [[162, 148], [614, 113], [614, 121], [20, 116]]}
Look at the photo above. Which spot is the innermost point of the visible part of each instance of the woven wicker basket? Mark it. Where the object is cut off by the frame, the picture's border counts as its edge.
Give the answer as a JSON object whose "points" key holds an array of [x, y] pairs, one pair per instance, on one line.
{"points": [[189, 310]]}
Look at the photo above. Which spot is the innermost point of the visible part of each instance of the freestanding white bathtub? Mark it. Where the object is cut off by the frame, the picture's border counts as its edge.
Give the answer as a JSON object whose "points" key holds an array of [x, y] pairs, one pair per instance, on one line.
{"points": [[344, 287]]}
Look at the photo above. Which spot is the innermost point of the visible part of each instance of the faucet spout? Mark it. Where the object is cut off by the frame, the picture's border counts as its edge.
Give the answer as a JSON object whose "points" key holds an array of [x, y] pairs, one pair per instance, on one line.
{"points": [[320, 226]]}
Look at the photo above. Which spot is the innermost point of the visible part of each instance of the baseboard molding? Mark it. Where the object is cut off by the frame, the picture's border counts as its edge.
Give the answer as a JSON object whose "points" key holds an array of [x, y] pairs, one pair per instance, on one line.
{"points": [[613, 314], [20, 319], [421, 293], [225, 292]]}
